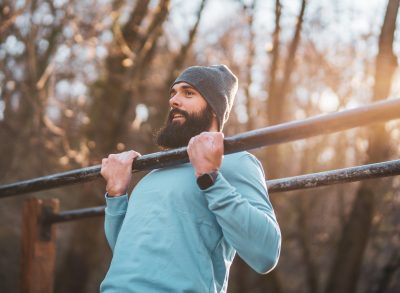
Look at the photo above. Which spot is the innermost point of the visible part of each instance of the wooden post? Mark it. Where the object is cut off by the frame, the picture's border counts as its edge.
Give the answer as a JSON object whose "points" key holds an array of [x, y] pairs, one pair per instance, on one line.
{"points": [[38, 246]]}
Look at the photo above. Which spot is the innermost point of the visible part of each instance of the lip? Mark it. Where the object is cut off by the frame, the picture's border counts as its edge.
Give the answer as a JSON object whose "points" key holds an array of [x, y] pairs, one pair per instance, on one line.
{"points": [[178, 117]]}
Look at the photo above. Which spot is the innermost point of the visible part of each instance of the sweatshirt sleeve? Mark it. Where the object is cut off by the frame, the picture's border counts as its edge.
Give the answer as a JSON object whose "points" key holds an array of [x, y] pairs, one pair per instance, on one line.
{"points": [[114, 216], [242, 208]]}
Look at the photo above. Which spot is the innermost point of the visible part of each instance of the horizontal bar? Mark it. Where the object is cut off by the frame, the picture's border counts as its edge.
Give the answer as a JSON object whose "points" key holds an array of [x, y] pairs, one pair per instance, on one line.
{"points": [[291, 131], [72, 215], [352, 174]]}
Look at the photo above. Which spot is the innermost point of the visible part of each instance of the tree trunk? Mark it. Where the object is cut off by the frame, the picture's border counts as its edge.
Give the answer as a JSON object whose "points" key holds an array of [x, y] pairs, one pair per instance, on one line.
{"points": [[347, 262], [114, 93], [249, 64], [273, 71], [179, 60], [279, 89], [387, 273], [113, 100]]}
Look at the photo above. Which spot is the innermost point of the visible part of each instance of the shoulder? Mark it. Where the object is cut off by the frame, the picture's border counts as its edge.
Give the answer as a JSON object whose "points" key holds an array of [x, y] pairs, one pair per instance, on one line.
{"points": [[242, 163], [245, 172], [236, 159]]}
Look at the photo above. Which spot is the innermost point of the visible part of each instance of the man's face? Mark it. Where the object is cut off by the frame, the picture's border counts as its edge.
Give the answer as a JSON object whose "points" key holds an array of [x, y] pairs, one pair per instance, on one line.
{"points": [[189, 116]]}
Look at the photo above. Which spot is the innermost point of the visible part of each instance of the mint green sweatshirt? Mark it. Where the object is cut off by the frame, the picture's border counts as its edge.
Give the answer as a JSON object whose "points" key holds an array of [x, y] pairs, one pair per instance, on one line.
{"points": [[170, 236]]}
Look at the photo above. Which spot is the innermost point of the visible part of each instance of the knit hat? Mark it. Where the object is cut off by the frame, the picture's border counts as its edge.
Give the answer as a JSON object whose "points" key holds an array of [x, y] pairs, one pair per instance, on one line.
{"points": [[217, 84]]}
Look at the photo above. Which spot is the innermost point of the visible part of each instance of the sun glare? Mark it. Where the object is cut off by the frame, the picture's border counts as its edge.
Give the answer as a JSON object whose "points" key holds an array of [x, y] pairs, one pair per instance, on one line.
{"points": [[329, 101]]}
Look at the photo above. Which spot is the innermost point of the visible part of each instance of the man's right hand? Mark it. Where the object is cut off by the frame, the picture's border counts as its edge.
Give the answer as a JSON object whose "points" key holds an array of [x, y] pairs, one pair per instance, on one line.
{"points": [[117, 171]]}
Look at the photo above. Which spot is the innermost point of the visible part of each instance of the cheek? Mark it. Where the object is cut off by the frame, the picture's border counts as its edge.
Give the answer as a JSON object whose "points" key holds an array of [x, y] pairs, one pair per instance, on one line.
{"points": [[194, 104], [197, 104]]}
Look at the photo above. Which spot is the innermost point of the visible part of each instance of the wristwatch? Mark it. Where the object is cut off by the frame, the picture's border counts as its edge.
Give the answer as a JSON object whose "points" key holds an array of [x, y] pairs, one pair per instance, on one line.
{"points": [[207, 180]]}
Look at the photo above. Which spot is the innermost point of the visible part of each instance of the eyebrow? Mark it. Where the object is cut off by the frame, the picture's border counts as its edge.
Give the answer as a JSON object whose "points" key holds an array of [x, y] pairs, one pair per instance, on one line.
{"points": [[184, 87], [189, 87]]}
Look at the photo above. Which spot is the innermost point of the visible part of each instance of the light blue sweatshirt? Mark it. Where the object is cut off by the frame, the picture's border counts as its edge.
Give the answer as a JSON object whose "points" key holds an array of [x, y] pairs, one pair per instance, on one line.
{"points": [[170, 236]]}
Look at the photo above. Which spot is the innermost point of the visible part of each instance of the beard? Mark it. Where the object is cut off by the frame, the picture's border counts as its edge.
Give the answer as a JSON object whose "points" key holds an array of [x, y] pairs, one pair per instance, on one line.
{"points": [[176, 134]]}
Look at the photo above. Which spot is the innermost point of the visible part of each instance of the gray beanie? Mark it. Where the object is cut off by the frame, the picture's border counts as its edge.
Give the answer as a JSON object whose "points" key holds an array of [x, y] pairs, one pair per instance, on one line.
{"points": [[217, 84]]}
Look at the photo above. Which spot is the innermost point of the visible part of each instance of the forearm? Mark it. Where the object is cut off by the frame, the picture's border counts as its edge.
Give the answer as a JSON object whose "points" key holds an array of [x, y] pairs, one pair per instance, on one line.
{"points": [[114, 216], [251, 228]]}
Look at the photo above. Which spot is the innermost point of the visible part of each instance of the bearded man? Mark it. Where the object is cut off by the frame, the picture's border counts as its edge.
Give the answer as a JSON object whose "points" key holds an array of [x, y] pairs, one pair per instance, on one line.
{"points": [[181, 226]]}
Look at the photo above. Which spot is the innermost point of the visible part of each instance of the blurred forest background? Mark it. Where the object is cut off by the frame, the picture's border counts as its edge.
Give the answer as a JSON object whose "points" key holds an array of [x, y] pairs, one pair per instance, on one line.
{"points": [[80, 79]]}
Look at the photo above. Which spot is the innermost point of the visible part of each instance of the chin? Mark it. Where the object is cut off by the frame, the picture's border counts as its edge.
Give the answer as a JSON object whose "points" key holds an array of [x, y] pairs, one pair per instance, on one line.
{"points": [[178, 122]]}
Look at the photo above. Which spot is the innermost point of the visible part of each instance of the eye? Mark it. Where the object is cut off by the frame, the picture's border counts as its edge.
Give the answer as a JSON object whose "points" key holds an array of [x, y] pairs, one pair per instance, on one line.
{"points": [[189, 93]]}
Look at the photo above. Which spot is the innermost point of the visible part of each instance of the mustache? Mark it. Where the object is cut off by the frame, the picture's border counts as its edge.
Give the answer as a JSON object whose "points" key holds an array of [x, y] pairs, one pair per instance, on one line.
{"points": [[177, 111]]}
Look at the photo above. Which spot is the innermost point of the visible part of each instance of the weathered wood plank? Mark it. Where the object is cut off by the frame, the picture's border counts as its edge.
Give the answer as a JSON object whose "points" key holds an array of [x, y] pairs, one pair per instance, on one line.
{"points": [[38, 246]]}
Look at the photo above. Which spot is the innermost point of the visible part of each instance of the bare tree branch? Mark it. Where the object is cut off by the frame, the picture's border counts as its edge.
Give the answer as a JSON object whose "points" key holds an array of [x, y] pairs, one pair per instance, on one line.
{"points": [[180, 58]]}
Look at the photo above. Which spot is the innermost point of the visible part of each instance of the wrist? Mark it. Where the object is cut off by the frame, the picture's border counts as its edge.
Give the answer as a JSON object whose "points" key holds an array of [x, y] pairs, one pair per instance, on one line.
{"points": [[115, 191], [207, 180], [199, 172], [112, 196]]}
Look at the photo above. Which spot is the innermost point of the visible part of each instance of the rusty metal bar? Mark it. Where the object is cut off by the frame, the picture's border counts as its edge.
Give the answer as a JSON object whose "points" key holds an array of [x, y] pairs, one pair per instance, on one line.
{"points": [[377, 170], [370, 171], [295, 130], [72, 215]]}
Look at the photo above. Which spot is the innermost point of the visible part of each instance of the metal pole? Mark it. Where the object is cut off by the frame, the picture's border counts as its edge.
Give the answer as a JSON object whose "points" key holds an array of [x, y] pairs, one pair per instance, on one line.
{"points": [[71, 215], [295, 130], [377, 170], [370, 171]]}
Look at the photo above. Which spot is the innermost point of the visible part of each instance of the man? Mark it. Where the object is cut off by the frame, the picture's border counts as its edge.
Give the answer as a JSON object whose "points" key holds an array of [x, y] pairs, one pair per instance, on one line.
{"points": [[182, 226]]}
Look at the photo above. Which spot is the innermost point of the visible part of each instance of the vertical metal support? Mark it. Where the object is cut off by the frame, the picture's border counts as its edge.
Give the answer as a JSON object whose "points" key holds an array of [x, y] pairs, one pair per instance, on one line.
{"points": [[38, 246]]}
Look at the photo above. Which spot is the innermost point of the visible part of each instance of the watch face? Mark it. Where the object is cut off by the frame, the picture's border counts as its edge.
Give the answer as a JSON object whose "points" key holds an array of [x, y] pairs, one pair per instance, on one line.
{"points": [[206, 180]]}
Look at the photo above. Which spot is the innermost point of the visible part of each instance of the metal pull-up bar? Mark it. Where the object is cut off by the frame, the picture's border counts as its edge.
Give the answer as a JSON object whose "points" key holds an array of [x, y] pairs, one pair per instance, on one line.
{"points": [[285, 132], [345, 175]]}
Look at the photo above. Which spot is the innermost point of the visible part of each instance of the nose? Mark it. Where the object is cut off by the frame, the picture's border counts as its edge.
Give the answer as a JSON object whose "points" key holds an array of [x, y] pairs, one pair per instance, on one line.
{"points": [[174, 101]]}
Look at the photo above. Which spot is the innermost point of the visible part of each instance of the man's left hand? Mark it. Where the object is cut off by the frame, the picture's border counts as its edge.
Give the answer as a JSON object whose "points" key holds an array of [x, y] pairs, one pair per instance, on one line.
{"points": [[206, 151]]}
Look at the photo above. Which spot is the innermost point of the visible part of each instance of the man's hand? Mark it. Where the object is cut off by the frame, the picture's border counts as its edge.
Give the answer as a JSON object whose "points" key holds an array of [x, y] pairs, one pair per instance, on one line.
{"points": [[206, 151], [117, 171]]}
